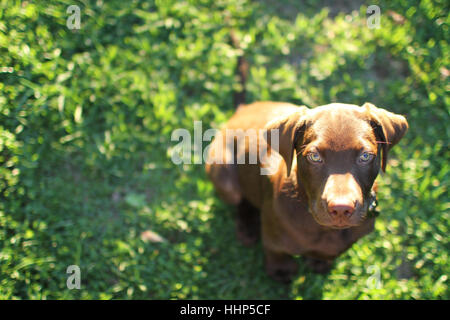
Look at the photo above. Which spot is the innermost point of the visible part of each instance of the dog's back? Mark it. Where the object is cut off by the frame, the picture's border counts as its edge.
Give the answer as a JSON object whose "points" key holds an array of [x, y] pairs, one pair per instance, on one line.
{"points": [[235, 181]]}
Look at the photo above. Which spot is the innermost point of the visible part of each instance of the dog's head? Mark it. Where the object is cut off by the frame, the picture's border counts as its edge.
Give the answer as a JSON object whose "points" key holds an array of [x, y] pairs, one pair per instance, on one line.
{"points": [[340, 149]]}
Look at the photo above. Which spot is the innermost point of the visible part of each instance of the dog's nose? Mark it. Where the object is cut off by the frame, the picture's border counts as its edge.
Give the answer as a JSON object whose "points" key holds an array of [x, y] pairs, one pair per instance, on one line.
{"points": [[341, 209]]}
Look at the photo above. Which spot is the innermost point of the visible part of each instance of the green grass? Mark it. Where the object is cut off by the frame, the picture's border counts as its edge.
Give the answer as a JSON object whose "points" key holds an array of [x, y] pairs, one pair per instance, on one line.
{"points": [[86, 118]]}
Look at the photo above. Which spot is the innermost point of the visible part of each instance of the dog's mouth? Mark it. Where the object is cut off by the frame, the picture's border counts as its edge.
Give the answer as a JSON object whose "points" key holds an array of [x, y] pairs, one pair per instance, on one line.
{"points": [[322, 217], [340, 227], [337, 226]]}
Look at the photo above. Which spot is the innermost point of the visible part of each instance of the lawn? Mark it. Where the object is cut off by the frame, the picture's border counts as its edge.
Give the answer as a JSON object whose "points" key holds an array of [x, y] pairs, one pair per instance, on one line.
{"points": [[86, 118]]}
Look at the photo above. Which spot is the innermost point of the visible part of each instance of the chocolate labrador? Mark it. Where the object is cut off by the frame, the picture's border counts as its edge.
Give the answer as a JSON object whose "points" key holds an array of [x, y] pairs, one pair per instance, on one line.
{"points": [[315, 200]]}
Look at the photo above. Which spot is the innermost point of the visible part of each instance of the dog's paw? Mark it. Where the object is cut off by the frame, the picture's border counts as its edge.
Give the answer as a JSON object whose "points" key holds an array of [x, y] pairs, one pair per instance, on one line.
{"points": [[319, 266], [248, 236], [282, 271], [282, 275]]}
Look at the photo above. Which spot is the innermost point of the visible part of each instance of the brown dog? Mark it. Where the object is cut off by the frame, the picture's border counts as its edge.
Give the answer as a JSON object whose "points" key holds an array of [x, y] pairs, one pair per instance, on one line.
{"points": [[315, 202]]}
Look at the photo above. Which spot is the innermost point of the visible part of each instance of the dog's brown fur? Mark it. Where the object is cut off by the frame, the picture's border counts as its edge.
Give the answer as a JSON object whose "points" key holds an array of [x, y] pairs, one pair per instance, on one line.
{"points": [[293, 204]]}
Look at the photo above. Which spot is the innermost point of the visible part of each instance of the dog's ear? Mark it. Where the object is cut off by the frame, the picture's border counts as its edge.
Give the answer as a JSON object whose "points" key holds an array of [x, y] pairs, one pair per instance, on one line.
{"points": [[290, 130], [388, 127]]}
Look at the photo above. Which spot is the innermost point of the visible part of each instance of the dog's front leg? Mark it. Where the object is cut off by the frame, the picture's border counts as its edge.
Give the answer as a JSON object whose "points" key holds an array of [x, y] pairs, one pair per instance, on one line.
{"points": [[280, 265]]}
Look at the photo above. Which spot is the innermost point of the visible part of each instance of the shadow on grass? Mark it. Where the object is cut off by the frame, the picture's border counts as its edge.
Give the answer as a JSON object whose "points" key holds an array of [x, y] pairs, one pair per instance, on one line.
{"points": [[240, 270], [291, 8]]}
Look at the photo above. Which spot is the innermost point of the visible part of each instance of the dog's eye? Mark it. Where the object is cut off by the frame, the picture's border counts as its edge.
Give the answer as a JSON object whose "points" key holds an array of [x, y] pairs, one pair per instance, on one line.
{"points": [[314, 157], [365, 157]]}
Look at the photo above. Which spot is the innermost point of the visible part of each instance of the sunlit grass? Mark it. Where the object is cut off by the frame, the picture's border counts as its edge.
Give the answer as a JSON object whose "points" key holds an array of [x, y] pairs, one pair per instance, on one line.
{"points": [[86, 118]]}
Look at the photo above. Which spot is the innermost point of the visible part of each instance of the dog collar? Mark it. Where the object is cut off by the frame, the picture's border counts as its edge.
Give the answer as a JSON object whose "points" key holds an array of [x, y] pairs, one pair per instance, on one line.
{"points": [[372, 211]]}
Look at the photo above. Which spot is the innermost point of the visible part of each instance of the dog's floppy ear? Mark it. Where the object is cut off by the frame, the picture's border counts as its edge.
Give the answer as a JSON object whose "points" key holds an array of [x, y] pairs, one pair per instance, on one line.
{"points": [[388, 127], [290, 130]]}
